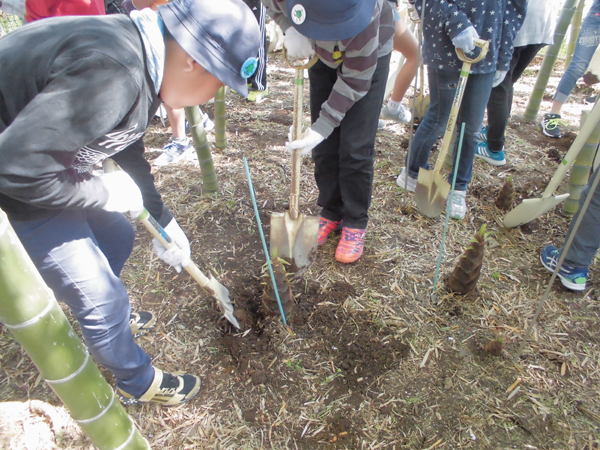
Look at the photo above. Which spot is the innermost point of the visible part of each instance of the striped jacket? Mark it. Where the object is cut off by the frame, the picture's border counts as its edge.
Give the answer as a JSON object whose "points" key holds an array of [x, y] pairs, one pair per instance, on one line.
{"points": [[496, 21], [355, 60]]}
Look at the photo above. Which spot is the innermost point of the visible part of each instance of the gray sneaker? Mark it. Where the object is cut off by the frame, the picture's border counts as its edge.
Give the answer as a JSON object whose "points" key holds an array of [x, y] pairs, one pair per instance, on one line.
{"points": [[403, 116], [173, 151]]}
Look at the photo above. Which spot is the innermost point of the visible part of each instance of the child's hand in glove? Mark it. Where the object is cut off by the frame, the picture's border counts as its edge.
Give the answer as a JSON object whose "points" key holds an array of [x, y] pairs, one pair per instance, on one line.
{"points": [[310, 139], [123, 194], [179, 254], [465, 39]]}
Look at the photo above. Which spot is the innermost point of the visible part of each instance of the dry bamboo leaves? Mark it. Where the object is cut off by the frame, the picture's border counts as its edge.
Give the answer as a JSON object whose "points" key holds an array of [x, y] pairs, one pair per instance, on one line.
{"points": [[465, 275], [283, 288], [506, 196]]}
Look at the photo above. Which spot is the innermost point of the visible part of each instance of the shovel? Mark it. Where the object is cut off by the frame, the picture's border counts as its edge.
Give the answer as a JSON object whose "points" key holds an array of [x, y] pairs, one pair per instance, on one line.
{"points": [[533, 208], [294, 235], [420, 103], [211, 286], [432, 189]]}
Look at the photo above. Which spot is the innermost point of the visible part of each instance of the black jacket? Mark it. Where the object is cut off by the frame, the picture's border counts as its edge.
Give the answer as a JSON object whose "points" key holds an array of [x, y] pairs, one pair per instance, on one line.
{"points": [[73, 91]]}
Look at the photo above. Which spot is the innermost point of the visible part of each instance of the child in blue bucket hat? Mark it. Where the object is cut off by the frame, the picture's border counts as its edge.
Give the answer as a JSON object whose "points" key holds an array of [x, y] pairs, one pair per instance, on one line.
{"points": [[353, 40], [75, 91]]}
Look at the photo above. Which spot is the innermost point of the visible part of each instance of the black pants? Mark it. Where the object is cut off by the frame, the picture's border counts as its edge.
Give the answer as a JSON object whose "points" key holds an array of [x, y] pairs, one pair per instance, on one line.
{"points": [[258, 81], [344, 161], [500, 102]]}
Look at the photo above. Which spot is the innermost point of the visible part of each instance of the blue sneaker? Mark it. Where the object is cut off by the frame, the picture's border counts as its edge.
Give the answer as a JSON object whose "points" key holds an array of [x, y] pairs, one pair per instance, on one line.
{"points": [[573, 278], [494, 158], [482, 136]]}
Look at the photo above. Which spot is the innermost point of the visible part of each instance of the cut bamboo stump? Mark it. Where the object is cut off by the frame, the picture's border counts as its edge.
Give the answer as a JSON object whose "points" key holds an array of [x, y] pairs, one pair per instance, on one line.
{"points": [[548, 62], [207, 168], [31, 313]]}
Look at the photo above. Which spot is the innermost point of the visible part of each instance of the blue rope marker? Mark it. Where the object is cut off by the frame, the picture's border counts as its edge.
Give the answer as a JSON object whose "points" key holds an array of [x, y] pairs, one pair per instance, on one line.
{"points": [[437, 270], [264, 242]]}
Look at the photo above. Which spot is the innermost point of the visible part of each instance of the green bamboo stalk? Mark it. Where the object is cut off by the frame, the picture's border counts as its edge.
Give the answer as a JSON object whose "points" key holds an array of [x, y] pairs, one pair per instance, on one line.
{"points": [[220, 123], [533, 106], [31, 313], [207, 168], [581, 168], [575, 27]]}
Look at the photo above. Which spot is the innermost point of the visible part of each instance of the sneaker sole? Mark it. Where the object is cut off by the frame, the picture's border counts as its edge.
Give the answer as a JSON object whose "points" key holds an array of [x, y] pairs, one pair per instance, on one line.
{"points": [[347, 259], [565, 282], [493, 162]]}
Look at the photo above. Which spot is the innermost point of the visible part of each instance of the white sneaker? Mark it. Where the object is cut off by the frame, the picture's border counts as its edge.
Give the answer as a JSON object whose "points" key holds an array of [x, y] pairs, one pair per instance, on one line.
{"points": [[174, 151], [458, 205], [401, 181], [380, 125], [402, 116]]}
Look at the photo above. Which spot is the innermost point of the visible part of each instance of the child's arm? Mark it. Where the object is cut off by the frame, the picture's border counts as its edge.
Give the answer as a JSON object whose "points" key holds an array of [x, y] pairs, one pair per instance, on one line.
{"points": [[511, 23], [83, 100], [274, 10], [446, 14]]}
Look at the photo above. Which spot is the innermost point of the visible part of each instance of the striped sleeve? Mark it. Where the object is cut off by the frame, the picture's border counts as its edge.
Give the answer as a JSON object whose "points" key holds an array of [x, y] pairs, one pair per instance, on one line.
{"points": [[360, 55]]}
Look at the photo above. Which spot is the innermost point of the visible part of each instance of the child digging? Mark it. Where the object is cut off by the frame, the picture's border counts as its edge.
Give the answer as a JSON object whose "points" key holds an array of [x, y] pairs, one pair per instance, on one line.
{"points": [[74, 91], [353, 39]]}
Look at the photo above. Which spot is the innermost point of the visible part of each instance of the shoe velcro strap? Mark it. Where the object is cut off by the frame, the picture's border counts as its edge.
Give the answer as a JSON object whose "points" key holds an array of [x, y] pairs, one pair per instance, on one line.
{"points": [[154, 387]]}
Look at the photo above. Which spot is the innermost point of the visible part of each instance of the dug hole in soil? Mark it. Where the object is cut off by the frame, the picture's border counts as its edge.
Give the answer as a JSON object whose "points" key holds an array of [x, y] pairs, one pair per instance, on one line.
{"points": [[368, 360]]}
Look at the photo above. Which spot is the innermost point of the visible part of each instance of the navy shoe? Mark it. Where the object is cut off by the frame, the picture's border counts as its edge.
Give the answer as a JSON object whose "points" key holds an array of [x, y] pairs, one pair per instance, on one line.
{"points": [[573, 278]]}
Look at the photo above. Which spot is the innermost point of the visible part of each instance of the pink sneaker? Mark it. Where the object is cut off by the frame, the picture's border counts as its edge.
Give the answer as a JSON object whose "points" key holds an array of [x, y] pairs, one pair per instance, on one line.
{"points": [[326, 226], [351, 245]]}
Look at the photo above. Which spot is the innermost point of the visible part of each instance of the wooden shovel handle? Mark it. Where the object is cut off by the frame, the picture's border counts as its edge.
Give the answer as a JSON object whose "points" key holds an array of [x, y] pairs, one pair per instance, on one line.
{"points": [[484, 45], [460, 90], [297, 134], [307, 65]]}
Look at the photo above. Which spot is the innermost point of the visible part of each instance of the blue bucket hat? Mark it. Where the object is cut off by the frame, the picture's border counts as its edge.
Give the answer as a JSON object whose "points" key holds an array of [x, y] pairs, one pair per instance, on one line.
{"points": [[222, 36], [326, 20]]}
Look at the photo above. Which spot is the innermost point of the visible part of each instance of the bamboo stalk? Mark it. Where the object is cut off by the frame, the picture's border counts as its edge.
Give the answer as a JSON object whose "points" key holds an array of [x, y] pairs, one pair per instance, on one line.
{"points": [[220, 122], [533, 106], [207, 168], [31, 313], [575, 27], [582, 166]]}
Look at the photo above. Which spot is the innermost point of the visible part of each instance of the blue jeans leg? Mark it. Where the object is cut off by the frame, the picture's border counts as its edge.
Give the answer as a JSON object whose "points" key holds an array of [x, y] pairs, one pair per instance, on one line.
{"points": [[587, 238], [587, 43], [442, 88], [79, 255]]}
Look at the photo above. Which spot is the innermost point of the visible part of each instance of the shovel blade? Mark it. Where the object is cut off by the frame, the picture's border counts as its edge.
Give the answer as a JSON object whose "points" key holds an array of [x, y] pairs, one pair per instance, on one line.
{"points": [[431, 192], [295, 240], [530, 209], [221, 294]]}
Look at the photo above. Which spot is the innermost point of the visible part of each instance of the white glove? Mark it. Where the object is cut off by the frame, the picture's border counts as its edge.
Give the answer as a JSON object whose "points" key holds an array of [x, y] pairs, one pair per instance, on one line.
{"points": [[123, 194], [464, 40], [310, 139], [297, 45], [178, 255], [499, 77]]}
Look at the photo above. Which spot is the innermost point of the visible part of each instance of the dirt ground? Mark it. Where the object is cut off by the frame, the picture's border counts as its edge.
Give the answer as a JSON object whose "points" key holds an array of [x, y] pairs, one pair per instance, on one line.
{"points": [[370, 359]]}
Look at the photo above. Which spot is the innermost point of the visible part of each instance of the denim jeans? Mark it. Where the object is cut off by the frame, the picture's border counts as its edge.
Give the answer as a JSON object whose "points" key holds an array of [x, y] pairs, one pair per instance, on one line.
{"points": [[500, 102], [587, 238], [344, 161], [442, 87], [587, 43], [79, 254]]}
